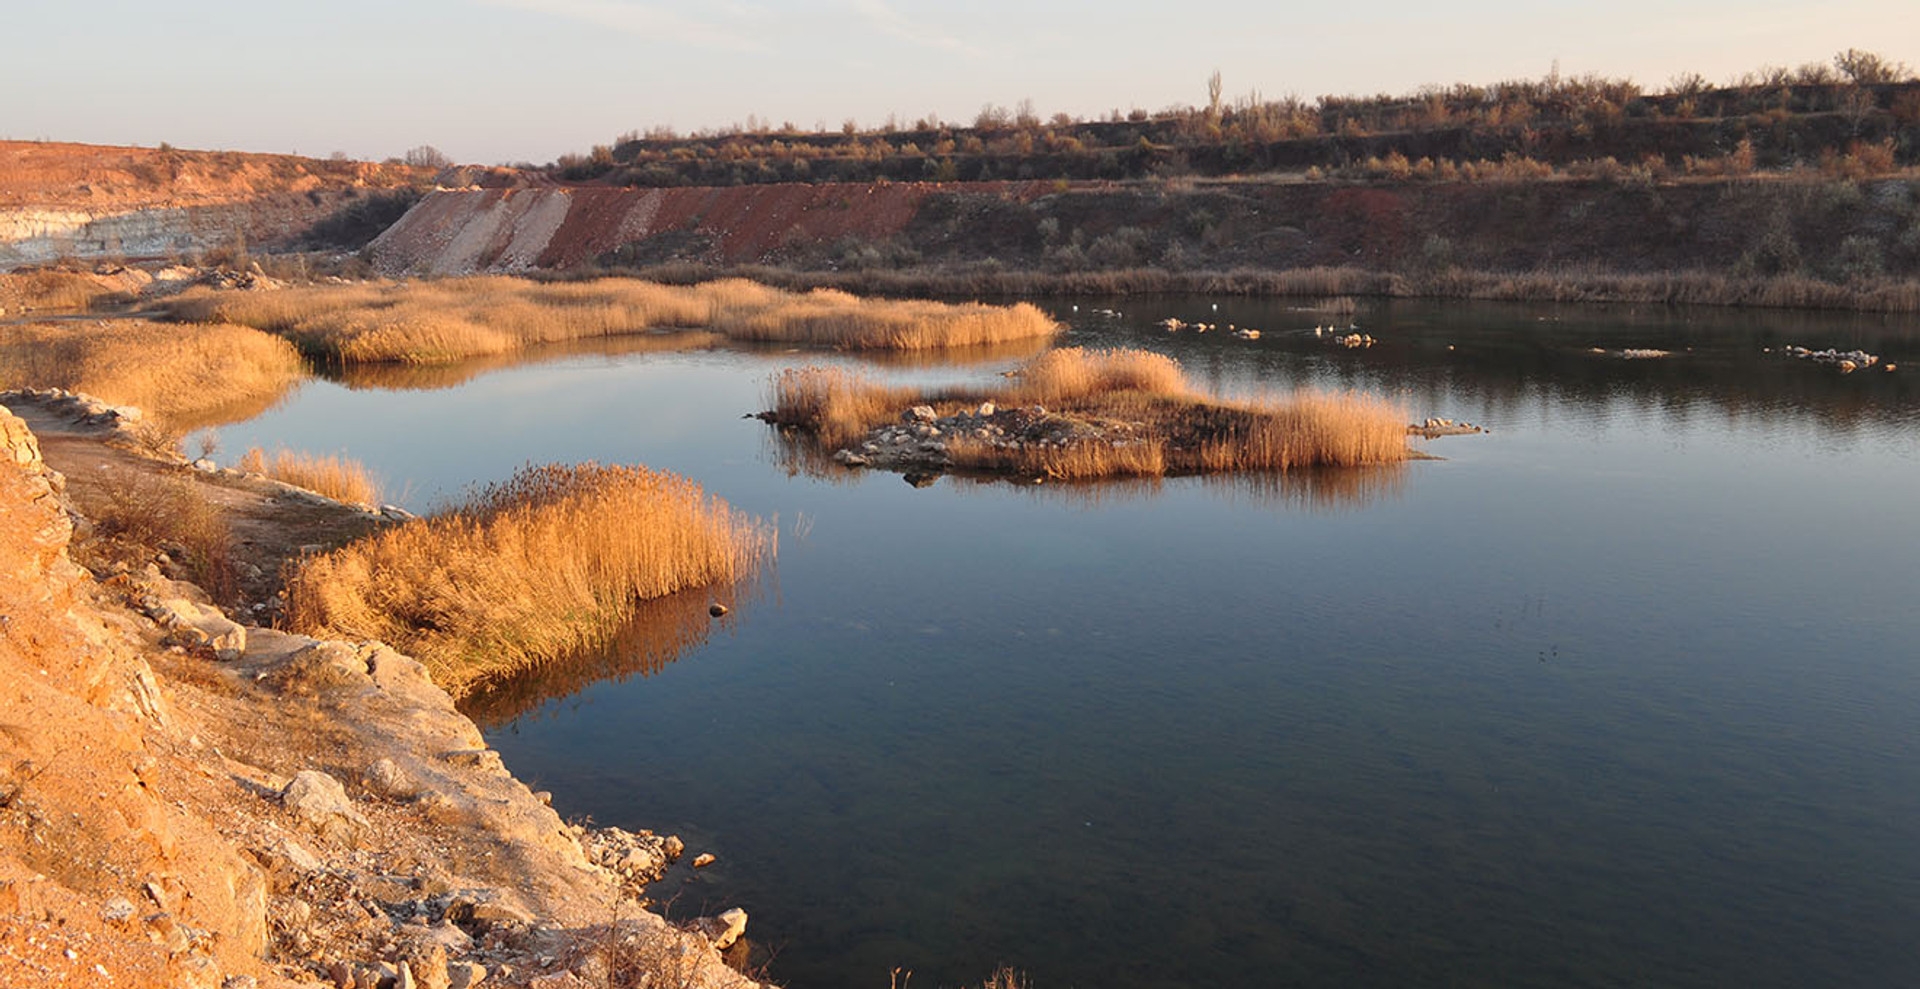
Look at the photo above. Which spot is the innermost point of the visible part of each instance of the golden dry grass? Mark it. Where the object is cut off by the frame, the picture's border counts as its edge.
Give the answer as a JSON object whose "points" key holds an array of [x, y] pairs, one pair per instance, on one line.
{"points": [[528, 571], [1073, 374], [1304, 429], [184, 376], [49, 288], [1113, 413], [439, 321], [336, 477], [149, 513], [1089, 460], [828, 317], [833, 403]]}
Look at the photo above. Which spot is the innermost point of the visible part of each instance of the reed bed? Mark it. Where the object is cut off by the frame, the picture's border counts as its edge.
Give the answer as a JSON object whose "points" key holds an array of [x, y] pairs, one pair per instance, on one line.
{"points": [[1304, 429], [828, 317], [1884, 293], [50, 288], [1075, 414], [528, 571], [440, 321], [1088, 460], [833, 403], [336, 477], [185, 377], [1076, 374]]}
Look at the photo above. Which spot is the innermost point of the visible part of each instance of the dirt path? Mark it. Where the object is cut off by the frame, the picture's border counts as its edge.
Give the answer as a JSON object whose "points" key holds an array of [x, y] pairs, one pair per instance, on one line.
{"points": [[271, 523]]}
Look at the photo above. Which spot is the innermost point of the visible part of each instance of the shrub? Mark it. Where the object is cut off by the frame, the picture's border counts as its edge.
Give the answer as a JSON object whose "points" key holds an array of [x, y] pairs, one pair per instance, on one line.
{"points": [[147, 513]]}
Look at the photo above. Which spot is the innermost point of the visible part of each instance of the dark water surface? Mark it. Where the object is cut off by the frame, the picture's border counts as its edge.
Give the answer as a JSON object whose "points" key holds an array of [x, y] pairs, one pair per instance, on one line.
{"points": [[1622, 693]]}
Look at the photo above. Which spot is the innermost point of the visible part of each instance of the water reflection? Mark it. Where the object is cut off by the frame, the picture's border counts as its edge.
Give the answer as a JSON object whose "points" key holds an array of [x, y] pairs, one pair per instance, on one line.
{"points": [[431, 377], [658, 632], [1578, 705], [1505, 360]]}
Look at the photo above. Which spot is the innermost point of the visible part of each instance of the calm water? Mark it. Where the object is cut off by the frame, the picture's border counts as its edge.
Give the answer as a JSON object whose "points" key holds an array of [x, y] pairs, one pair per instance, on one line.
{"points": [[1622, 693]]}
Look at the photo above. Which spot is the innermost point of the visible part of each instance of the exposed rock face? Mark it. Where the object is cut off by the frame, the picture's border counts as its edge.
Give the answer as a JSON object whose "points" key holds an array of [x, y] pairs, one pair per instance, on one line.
{"points": [[463, 231], [179, 822], [78, 200]]}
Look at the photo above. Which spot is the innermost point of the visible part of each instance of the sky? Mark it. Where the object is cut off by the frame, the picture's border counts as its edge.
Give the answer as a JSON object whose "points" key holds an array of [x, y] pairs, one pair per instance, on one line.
{"points": [[497, 81]]}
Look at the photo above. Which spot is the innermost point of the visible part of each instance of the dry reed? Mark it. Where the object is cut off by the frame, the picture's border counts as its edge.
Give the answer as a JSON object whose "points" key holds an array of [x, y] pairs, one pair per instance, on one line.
{"points": [[145, 514], [528, 571], [833, 403], [440, 321], [49, 288], [1073, 374], [834, 318], [1091, 414], [184, 376], [336, 477]]}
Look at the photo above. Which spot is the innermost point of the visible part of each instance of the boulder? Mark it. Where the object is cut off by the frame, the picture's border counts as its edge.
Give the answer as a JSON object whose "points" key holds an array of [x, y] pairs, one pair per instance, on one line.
{"points": [[724, 929], [321, 801], [921, 413], [387, 779]]}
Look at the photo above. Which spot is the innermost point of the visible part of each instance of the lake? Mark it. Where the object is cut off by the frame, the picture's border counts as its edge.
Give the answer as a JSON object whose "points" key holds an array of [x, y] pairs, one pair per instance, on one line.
{"points": [[1623, 692]]}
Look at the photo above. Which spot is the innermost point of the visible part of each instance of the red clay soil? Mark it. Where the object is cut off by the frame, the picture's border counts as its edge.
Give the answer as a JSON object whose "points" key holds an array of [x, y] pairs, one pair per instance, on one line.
{"points": [[493, 229]]}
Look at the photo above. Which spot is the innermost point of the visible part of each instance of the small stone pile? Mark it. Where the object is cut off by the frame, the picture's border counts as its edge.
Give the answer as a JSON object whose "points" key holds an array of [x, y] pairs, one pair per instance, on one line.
{"points": [[919, 442], [1444, 427], [637, 858], [82, 407], [1847, 361], [920, 439]]}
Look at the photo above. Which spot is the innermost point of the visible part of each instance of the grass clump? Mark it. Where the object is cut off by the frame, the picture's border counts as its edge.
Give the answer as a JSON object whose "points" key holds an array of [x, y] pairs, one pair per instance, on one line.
{"points": [[527, 571], [1076, 374], [830, 317], [54, 288], [184, 376], [150, 514], [833, 403], [336, 477], [1076, 414], [451, 319]]}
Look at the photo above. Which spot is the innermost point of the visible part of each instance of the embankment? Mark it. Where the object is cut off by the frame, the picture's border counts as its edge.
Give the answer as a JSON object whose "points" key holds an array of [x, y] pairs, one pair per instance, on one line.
{"points": [[79, 200], [1796, 239], [189, 803]]}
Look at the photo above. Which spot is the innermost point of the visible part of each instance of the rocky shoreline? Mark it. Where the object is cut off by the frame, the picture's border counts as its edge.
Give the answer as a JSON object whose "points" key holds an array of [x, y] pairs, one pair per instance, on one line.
{"points": [[918, 445], [212, 804]]}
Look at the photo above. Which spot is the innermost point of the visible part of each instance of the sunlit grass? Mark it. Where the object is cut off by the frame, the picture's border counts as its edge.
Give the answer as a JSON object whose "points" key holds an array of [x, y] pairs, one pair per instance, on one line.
{"points": [[48, 288], [1091, 414], [431, 322], [336, 477], [527, 571], [186, 376]]}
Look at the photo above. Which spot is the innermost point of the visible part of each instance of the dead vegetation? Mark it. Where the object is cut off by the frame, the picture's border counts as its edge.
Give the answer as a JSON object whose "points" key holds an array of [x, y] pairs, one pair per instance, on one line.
{"points": [[530, 570], [1075, 414], [154, 514], [339, 478], [56, 288], [185, 376], [834, 403], [439, 321]]}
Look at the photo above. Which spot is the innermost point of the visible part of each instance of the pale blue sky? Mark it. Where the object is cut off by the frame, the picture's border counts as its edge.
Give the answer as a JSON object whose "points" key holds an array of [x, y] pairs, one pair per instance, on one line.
{"points": [[498, 80]]}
